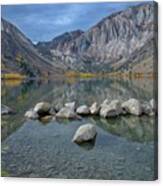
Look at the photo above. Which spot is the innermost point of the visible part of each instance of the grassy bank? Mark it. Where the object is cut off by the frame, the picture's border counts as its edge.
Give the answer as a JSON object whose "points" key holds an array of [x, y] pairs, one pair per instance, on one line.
{"points": [[130, 75], [14, 76]]}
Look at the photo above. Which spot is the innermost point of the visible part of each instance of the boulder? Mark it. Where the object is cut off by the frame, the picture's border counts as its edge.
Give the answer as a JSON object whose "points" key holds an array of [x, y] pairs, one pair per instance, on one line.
{"points": [[94, 109], [83, 110], [132, 106], [67, 113], [85, 133], [42, 108], [111, 110], [71, 105], [6, 110], [31, 114]]}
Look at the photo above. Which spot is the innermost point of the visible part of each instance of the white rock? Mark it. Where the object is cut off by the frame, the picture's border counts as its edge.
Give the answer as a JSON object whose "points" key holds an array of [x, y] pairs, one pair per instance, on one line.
{"points": [[71, 105], [83, 110], [67, 113], [94, 109], [42, 107], [85, 133], [31, 114], [132, 106], [111, 110]]}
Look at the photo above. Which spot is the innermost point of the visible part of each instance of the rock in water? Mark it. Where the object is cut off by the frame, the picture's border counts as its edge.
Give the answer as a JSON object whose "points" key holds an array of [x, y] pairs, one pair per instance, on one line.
{"points": [[67, 113], [85, 133], [31, 114], [6, 110], [94, 109], [147, 109], [83, 110], [153, 104], [42, 108], [111, 110], [132, 106], [105, 102], [71, 105]]}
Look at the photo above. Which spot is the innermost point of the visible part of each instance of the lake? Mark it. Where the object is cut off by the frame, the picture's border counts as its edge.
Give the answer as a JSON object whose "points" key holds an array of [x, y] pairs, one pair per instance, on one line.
{"points": [[124, 147]]}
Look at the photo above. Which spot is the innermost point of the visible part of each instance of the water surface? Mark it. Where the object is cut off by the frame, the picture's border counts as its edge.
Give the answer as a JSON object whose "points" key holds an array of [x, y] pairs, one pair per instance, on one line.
{"points": [[124, 146]]}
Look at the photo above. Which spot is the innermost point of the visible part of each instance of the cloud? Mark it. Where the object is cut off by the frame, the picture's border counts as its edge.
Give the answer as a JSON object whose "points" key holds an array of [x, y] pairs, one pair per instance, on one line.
{"points": [[45, 21]]}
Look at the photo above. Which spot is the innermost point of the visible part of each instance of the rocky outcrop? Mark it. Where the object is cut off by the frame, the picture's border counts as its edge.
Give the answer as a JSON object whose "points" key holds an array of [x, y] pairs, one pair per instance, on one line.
{"points": [[85, 133]]}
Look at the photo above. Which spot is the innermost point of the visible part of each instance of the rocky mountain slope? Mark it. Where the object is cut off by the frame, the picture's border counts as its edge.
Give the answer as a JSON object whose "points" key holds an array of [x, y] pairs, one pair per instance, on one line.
{"points": [[123, 41], [19, 55]]}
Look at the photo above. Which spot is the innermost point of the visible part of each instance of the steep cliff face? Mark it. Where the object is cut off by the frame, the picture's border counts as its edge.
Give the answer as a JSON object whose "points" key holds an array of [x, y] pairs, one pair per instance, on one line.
{"points": [[118, 42], [19, 55]]}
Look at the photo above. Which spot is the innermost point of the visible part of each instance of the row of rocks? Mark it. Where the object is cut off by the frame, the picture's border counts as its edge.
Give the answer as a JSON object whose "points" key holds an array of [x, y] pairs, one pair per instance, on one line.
{"points": [[106, 109]]}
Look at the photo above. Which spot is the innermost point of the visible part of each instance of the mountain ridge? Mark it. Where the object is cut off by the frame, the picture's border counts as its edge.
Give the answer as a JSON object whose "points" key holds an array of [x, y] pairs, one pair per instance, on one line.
{"points": [[110, 42], [123, 41]]}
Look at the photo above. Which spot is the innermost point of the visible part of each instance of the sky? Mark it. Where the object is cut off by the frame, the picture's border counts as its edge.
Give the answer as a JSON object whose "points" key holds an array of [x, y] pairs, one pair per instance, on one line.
{"points": [[43, 22]]}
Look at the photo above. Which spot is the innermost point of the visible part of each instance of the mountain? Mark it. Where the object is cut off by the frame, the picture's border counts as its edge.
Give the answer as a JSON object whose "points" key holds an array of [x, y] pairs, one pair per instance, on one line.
{"points": [[123, 41], [19, 55], [59, 43]]}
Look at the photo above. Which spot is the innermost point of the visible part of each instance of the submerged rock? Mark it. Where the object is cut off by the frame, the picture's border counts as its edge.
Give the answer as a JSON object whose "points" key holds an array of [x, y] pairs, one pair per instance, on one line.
{"points": [[111, 110], [83, 110], [94, 109], [85, 133], [31, 114], [42, 108], [67, 113], [71, 105], [132, 106], [46, 119]]}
